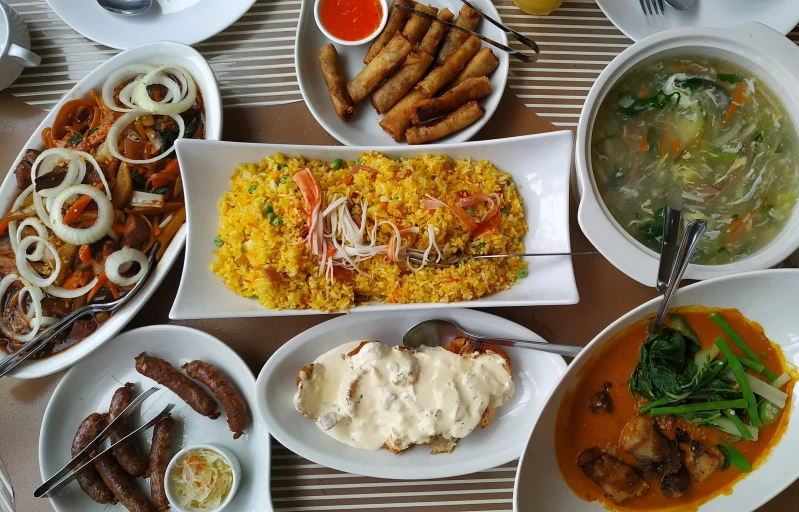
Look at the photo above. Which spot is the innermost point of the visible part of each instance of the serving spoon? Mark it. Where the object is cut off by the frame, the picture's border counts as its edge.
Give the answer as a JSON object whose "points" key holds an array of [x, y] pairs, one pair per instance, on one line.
{"points": [[436, 332], [126, 7]]}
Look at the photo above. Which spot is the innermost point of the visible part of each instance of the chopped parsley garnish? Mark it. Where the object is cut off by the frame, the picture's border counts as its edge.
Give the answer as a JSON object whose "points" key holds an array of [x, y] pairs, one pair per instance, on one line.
{"points": [[218, 242], [75, 140], [191, 128], [251, 189], [479, 246], [730, 78], [280, 167], [161, 190], [505, 208], [139, 181], [93, 130], [284, 179], [470, 212]]}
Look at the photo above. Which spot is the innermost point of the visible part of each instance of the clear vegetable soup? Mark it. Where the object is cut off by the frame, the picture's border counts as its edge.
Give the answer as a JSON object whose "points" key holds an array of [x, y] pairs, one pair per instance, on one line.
{"points": [[703, 135]]}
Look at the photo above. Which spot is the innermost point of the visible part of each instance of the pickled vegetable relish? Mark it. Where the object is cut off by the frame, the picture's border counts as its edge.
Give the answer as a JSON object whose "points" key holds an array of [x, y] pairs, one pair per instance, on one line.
{"points": [[202, 480], [704, 135]]}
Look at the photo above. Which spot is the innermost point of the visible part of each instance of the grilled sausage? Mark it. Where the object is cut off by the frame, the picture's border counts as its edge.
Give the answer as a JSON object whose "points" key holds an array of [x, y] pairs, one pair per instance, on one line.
{"points": [[160, 455], [88, 479], [23, 169], [128, 454], [188, 390], [224, 390], [121, 484]]}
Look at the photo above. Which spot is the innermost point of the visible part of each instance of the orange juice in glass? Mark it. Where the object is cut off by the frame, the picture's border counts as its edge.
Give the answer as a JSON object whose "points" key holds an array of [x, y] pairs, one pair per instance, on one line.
{"points": [[538, 7]]}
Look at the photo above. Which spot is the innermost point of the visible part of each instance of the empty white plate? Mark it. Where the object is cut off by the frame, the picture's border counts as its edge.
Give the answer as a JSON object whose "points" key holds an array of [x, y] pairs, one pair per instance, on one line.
{"points": [[88, 388], [364, 130], [534, 373]]}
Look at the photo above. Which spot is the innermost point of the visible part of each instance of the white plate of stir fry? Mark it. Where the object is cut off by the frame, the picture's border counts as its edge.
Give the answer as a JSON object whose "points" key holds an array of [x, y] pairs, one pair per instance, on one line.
{"points": [[80, 215]]}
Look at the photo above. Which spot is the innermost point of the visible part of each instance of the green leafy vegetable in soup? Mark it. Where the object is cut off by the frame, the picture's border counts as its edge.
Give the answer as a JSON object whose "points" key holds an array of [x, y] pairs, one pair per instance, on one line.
{"points": [[703, 135]]}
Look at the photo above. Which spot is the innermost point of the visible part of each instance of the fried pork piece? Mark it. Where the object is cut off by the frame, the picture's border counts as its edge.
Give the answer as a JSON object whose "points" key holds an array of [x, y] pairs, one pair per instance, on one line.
{"points": [[654, 452], [702, 460], [676, 484], [617, 479], [601, 400]]}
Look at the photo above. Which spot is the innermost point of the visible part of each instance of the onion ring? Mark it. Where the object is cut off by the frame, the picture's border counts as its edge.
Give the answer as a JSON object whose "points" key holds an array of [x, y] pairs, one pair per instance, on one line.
{"points": [[41, 230], [37, 308], [76, 236], [118, 76], [48, 160], [57, 291], [24, 268], [112, 139], [116, 259], [182, 99]]}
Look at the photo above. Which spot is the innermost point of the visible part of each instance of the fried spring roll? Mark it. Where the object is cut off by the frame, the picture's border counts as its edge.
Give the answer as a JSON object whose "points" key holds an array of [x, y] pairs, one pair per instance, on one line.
{"points": [[435, 34], [336, 85], [416, 27], [467, 18], [470, 90], [389, 59], [398, 118], [402, 81], [396, 20], [458, 120], [445, 73], [483, 64]]}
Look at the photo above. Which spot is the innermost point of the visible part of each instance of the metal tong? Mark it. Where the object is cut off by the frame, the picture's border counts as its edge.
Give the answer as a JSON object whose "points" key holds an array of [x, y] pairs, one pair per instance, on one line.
{"points": [[516, 53], [68, 473], [13, 359]]}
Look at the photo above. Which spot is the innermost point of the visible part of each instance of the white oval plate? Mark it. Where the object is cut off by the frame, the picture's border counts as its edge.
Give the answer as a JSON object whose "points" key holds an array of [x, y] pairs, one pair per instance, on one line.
{"points": [[781, 15], [534, 373], [88, 388], [768, 297], [543, 183], [364, 130], [184, 21], [154, 53]]}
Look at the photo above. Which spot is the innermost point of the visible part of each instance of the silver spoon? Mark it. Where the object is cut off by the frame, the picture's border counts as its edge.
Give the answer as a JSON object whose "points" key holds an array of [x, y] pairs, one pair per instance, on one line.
{"points": [[437, 332], [680, 5], [690, 241], [466, 257], [126, 7], [671, 226]]}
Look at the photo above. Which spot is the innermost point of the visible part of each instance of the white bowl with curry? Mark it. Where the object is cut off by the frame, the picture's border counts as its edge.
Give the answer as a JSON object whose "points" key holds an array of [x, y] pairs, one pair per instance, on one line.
{"points": [[694, 417]]}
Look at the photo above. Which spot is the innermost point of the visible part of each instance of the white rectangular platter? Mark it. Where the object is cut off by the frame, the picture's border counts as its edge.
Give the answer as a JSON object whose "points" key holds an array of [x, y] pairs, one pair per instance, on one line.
{"points": [[539, 164]]}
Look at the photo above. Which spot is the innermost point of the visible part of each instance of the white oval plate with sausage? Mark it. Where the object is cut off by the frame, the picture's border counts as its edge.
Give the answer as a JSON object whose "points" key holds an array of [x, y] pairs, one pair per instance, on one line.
{"points": [[364, 129], [154, 54], [534, 374], [88, 388]]}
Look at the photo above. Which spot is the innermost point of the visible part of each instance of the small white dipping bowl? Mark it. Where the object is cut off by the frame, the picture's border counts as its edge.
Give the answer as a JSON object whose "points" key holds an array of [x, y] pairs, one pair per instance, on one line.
{"points": [[228, 455], [383, 20], [764, 52]]}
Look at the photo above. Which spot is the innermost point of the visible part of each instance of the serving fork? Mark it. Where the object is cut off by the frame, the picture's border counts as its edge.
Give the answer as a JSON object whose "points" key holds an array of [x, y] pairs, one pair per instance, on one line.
{"points": [[652, 7], [511, 51], [13, 359]]}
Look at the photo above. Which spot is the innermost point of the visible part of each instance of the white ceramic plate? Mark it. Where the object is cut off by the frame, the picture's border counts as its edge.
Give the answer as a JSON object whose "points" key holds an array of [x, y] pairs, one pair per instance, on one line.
{"points": [[534, 373], [781, 15], [766, 297], [184, 21], [753, 46], [543, 182], [154, 53], [88, 388], [364, 130]]}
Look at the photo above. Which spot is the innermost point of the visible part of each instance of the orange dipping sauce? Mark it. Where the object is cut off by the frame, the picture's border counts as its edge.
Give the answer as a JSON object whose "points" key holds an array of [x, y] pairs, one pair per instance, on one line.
{"points": [[351, 20]]}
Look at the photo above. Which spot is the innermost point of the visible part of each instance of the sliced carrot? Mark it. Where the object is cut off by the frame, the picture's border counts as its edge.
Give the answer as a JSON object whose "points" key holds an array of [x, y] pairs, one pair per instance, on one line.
{"points": [[172, 167], [736, 100], [119, 228], [643, 92], [101, 280], [112, 287], [675, 148], [160, 179], [698, 136], [644, 145], [73, 281], [664, 144], [77, 208], [3, 225], [347, 180], [273, 275], [85, 253], [688, 68]]}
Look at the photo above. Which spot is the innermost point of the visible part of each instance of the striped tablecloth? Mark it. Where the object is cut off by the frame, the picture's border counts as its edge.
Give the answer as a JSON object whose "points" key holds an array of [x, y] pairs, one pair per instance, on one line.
{"points": [[254, 63]]}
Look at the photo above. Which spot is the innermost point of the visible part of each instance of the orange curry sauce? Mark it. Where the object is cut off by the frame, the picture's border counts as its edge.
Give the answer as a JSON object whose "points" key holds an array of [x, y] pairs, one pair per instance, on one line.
{"points": [[577, 428], [351, 20]]}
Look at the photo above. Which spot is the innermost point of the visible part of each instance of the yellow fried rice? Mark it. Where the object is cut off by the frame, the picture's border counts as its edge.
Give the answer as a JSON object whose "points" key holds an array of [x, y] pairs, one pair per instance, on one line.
{"points": [[262, 218]]}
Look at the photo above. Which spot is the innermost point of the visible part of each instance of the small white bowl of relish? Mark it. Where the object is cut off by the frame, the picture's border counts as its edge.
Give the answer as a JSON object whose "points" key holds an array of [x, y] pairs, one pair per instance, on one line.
{"points": [[202, 478], [351, 22]]}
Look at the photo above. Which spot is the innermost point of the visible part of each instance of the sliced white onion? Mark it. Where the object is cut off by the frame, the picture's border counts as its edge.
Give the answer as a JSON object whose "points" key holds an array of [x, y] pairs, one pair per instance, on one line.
{"points": [[40, 211], [183, 96], [35, 301], [47, 161], [57, 291], [77, 236], [12, 226], [120, 75], [116, 129], [41, 230], [91, 160], [116, 259], [26, 271]]}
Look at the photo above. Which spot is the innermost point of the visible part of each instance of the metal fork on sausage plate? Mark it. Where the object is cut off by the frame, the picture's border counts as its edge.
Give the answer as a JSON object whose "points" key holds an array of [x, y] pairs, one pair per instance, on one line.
{"points": [[16, 357], [68, 473]]}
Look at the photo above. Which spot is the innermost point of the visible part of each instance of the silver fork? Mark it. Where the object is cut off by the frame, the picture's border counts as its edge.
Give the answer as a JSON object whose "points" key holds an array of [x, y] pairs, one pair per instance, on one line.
{"points": [[16, 357], [652, 6]]}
